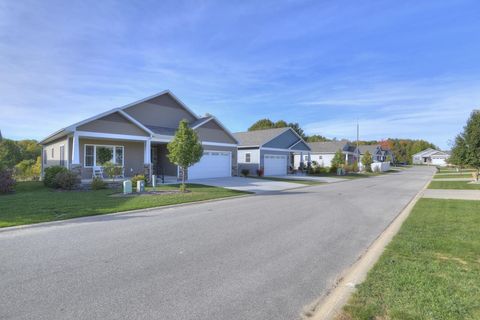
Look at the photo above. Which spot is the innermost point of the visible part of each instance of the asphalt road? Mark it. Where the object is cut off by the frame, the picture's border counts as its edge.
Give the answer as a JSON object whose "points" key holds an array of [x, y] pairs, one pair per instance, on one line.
{"points": [[259, 257]]}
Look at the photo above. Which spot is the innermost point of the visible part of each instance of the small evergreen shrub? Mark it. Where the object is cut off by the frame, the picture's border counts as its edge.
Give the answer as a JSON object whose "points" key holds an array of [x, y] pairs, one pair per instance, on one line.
{"points": [[7, 182], [245, 172], [66, 180], [138, 177], [49, 175], [98, 184]]}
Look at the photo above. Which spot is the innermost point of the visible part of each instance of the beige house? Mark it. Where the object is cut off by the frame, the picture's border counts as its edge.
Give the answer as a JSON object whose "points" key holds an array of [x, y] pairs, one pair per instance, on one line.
{"points": [[137, 135]]}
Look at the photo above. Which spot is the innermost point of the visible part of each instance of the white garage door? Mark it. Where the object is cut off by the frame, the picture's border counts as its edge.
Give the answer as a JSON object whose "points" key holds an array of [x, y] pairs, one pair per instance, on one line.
{"points": [[274, 165], [213, 164]]}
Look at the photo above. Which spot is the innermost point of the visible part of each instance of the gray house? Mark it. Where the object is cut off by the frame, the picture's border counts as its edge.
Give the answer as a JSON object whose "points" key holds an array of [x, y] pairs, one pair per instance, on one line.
{"points": [[271, 150], [377, 152], [137, 135]]}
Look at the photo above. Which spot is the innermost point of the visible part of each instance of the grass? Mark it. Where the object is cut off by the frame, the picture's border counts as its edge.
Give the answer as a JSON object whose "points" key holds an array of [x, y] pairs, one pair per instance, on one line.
{"points": [[356, 175], [430, 270], [453, 176], [33, 203], [299, 181], [453, 185]]}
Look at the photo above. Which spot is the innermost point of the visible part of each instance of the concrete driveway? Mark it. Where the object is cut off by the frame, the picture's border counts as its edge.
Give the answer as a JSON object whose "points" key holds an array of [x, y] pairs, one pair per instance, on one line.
{"points": [[259, 257], [249, 184], [311, 178]]}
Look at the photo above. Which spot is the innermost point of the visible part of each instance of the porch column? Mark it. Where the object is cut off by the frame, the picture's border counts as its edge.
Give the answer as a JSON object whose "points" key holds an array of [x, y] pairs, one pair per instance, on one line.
{"points": [[76, 150], [147, 152]]}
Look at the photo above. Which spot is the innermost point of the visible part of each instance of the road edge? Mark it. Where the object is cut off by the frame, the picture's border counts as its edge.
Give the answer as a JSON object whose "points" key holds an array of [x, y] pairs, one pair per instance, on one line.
{"points": [[331, 303]]}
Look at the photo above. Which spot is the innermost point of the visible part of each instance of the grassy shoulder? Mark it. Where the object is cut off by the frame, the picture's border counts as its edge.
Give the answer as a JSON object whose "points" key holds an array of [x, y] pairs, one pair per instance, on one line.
{"points": [[33, 202], [422, 275], [456, 185], [453, 176]]}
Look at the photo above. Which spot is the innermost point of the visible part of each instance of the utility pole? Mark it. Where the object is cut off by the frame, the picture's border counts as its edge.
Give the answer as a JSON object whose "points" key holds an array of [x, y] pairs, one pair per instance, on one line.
{"points": [[358, 137]]}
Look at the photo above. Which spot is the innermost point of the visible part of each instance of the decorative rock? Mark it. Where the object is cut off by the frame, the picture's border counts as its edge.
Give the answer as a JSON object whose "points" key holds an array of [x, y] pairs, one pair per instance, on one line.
{"points": [[127, 187], [140, 186]]}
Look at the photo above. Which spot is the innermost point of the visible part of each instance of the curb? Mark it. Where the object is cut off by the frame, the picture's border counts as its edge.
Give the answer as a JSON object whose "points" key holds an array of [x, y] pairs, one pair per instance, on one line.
{"points": [[66, 221], [329, 305]]}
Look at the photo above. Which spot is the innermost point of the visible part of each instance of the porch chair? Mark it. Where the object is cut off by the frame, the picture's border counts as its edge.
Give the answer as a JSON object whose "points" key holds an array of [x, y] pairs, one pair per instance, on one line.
{"points": [[97, 172]]}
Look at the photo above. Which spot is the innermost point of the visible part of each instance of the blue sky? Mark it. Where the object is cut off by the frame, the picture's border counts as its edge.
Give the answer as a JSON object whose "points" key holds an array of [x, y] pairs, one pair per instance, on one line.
{"points": [[408, 69]]}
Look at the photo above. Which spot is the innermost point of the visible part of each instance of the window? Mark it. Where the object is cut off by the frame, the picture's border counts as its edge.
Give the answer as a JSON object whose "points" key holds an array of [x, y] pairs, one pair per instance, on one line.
{"points": [[53, 153], [305, 157], [247, 157], [99, 151], [62, 156], [44, 156], [119, 156], [91, 156]]}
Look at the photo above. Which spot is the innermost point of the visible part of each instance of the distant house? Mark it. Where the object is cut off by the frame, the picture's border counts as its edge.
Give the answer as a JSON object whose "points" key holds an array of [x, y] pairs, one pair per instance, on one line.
{"points": [[376, 151], [431, 157], [270, 149], [323, 152]]}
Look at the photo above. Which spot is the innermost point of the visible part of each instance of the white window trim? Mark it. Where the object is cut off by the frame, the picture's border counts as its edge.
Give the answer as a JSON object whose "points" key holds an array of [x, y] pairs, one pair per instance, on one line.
{"points": [[249, 157], [95, 153]]}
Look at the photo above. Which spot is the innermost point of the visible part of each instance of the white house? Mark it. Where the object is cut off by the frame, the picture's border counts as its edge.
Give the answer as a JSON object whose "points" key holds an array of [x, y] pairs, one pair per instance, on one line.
{"points": [[431, 157], [323, 152]]}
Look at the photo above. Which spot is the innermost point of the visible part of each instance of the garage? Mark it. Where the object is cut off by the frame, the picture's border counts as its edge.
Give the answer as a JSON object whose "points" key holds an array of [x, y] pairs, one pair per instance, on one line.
{"points": [[214, 164], [275, 165]]}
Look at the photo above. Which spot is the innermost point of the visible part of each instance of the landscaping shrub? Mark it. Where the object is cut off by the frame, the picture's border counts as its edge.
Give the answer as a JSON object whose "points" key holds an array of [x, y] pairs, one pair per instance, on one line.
{"points": [[66, 180], [112, 170], [28, 169], [7, 182], [245, 172], [333, 169], [260, 172], [98, 184], [138, 177], [49, 175]]}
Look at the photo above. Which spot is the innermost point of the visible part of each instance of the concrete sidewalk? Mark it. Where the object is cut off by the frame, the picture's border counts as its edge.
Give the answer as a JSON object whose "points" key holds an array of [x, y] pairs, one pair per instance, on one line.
{"points": [[452, 194]]}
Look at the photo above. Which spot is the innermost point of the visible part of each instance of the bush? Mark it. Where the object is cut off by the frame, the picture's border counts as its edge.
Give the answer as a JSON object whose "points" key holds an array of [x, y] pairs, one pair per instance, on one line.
{"points": [[138, 177], [260, 172], [245, 172], [66, 180], [49, 175], [7, 182], [333, 169], [112, 170], [98, 183]]}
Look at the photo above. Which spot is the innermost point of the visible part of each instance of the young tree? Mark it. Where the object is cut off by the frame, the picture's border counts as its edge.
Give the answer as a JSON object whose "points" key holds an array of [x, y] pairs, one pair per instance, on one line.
{"points": [[338, 159], [367, 161], [185, 149]]}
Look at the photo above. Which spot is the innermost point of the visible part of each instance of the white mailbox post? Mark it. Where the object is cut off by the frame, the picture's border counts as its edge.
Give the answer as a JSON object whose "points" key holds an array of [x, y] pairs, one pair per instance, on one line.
{"points": [[140, 186]]}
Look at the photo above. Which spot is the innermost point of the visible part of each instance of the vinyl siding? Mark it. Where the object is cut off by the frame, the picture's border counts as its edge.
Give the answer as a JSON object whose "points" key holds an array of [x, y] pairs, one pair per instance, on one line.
{"points": [[283, 141], [55, 145], [212, 132], [113, 123]]}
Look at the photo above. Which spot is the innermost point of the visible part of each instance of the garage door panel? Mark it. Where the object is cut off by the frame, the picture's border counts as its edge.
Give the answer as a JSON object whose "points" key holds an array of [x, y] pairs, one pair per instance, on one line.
{"points": [[213, 164], [275, 165]]}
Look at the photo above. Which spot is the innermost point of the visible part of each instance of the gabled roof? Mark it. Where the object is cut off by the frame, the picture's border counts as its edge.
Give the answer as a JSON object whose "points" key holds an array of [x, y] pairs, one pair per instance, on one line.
{"points": [[258, 138], [328, 146]]}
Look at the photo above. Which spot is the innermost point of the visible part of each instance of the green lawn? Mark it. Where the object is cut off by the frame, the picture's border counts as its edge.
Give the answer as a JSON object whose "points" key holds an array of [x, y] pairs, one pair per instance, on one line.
{"points": [[33, 203], [356, 175], [453, 185], [453, 176], [430, 270]]}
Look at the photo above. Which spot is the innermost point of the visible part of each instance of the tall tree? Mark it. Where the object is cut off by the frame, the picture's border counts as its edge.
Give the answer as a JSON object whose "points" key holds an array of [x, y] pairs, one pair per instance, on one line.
{"points": [[296, 127], [470, 146], [458, 156], [185, 149], [317, 138], [338, 159], [262, 124], [10, 154], [29, 149]]}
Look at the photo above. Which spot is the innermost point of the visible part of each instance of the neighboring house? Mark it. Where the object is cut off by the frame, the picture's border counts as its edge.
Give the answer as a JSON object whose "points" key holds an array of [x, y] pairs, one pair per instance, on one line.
{"points": [[270, 149], [431, 157], [137, 134], [378, 154], [323, 152]]}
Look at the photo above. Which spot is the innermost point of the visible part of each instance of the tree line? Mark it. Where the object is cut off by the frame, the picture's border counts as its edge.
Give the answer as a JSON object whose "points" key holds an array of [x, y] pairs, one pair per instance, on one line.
{"points": [[23, 157]]}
